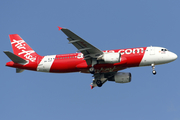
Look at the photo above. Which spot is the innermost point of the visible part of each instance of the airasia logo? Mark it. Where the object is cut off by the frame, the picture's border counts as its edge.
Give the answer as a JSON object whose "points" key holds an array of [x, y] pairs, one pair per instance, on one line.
{"points": [[27, 54], [128, 51]]}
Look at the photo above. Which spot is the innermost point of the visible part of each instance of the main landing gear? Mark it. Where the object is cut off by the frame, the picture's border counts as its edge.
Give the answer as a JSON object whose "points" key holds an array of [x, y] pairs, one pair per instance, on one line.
{"points": [[99, 83], [153, 67], [91, 70]]}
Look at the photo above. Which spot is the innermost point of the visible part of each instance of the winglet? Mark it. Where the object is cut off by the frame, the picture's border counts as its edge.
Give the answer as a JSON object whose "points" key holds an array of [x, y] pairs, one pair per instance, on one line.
{"points": [[59, 27], [92, 86]]}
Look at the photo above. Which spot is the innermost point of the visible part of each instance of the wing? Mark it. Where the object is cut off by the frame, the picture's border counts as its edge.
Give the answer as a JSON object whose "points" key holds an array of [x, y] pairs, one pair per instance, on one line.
{"points": [[88, 50]]}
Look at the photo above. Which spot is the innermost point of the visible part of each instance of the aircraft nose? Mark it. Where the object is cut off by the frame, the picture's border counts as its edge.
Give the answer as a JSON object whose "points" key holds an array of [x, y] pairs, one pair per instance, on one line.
{"points": [[173, 56]]}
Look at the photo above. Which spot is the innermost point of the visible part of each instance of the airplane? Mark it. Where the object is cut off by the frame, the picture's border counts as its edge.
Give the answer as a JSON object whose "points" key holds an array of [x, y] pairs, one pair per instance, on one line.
{"points": [[103, 65]]}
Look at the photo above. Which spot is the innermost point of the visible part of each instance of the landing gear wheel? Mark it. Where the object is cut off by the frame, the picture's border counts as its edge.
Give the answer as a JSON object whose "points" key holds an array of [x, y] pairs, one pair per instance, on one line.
{"points": [[153, 67], [154, 72], [99, 83], [91, 70]]}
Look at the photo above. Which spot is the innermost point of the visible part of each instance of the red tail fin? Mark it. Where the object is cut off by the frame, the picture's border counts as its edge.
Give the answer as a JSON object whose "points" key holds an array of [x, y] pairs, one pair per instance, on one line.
{"points": [[22, 49]]}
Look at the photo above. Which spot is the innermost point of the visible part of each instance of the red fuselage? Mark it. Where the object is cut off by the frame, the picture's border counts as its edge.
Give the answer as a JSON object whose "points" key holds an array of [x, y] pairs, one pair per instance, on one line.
{"points": [[65, 63]]}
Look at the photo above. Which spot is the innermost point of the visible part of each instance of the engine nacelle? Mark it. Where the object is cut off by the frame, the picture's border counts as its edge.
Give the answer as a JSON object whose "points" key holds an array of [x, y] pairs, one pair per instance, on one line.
{"points": [[111, 57], [121, 77]]}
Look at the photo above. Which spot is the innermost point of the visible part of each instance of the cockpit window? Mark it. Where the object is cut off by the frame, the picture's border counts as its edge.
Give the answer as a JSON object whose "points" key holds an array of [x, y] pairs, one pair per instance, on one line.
{"points": [[164, 50]]}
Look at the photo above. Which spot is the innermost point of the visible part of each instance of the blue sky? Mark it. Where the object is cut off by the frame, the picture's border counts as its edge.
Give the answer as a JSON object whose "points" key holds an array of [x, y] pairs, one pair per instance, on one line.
{"points": [[106, 24]]}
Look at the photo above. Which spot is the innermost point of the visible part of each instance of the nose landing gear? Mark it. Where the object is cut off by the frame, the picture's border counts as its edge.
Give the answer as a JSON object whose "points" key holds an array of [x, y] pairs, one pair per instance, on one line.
{"points": [[153, 67], [154, 72]]}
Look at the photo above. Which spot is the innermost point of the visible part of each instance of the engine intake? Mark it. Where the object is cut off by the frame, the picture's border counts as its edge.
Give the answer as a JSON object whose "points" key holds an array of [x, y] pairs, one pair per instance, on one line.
{"points": [[121, 77]]}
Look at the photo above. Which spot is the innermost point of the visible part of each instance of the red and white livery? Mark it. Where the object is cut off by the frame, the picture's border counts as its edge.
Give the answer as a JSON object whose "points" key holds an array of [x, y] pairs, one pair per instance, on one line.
{"points": [[104, 65]]}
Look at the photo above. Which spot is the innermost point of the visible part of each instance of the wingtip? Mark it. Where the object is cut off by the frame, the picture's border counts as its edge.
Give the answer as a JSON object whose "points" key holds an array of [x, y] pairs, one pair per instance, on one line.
{"points": [[92, 86], [59, 27]]}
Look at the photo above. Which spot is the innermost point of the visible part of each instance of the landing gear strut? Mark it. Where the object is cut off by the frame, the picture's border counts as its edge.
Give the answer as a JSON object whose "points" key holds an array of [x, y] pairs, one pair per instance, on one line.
{"points": [[91, 70], [153, 67]]}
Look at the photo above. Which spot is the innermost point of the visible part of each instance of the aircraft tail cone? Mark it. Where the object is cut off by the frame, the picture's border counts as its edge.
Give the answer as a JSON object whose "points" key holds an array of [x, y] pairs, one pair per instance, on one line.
{"points": [[10, 64]]}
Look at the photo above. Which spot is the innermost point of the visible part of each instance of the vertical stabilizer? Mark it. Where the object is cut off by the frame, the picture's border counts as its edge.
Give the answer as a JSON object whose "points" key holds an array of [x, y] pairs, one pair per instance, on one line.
{"points": [[22, 49]]}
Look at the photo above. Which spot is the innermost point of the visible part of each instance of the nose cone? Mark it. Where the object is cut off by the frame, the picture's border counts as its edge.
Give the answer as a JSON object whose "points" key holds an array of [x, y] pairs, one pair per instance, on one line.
{"points": [[173, 56]]}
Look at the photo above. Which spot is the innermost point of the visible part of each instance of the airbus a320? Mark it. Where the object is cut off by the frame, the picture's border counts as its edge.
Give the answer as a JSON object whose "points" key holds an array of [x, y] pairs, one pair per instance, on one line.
{"points": [[104, 65]]}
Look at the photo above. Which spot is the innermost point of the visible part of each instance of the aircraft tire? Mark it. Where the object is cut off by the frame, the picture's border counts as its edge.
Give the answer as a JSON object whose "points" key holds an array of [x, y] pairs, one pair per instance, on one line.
{"points": [[99, 83], [91, 70], [154, 72]]}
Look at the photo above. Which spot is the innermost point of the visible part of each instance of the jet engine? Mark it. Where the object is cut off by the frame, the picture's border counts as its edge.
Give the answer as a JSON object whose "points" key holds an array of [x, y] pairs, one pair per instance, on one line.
{"points": [[121, 77], [110, 57]]}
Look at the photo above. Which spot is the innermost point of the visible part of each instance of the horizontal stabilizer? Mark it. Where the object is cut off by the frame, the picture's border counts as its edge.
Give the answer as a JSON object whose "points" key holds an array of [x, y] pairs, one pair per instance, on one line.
{"points": [[19, 70], [15, 58]]}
